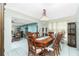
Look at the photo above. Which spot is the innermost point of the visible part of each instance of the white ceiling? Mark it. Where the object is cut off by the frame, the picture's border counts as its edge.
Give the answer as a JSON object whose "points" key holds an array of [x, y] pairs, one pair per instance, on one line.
{"points": [[53, 10]]}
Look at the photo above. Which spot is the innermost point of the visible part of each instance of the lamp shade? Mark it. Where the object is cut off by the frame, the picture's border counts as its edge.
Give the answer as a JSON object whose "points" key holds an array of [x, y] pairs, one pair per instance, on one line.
{"points": [[44, 18]]}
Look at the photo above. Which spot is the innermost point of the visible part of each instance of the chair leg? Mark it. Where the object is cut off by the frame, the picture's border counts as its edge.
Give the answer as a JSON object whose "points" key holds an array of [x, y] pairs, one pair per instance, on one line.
{"points": [[58, 50], [54, 52], [29, 53], [60, 47]]}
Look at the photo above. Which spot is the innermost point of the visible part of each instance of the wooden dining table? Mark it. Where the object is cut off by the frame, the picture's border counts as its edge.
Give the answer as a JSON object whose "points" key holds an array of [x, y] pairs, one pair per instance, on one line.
{"points": [[44, 41]]}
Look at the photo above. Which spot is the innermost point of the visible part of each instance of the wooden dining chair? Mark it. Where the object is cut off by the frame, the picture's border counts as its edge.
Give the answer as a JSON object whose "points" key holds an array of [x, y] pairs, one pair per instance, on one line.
{"points": [[33, 48], [51, 34], [37, 34], [56, 45]]}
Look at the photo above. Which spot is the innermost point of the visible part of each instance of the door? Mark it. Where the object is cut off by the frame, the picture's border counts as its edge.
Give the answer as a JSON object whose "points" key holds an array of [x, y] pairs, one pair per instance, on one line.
{"points": [[1, 31], [72, 34]]}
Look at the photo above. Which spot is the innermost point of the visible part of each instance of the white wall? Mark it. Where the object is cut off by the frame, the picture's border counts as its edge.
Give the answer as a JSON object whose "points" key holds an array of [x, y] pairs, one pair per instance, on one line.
{"points": [[77, 34], [9, 14], [58, 25], [77, 27], [41, 25], [61, 27], [14, 28], [55, 27]]}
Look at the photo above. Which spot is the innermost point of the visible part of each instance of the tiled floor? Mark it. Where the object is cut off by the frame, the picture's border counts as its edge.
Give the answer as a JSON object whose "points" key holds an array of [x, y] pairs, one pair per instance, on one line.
{"points": [[20, 48], [69, 51]]}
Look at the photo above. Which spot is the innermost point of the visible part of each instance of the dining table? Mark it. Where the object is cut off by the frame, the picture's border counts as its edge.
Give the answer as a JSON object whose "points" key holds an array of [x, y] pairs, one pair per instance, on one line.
{"points": [[44, 41]]}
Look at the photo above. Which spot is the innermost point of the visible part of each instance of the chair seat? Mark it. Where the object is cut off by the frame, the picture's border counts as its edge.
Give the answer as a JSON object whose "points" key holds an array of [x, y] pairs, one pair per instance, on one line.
{"points": [[49, 49], [38, 50]]}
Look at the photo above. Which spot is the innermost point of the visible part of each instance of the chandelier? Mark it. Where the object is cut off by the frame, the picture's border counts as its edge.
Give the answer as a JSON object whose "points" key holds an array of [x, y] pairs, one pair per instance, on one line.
{"points": [[44, 17]]}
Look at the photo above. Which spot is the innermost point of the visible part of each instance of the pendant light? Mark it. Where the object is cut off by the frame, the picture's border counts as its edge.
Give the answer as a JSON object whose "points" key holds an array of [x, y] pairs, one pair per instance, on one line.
{"points": [[44, 17]]}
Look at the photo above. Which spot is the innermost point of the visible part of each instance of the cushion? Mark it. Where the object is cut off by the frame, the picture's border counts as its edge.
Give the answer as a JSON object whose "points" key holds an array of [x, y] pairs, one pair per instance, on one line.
{"points": [[49, 49]]}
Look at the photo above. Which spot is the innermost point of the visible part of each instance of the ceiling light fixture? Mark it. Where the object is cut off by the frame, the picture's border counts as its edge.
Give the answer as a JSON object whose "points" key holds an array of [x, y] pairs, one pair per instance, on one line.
{"points": [[44, 18]]}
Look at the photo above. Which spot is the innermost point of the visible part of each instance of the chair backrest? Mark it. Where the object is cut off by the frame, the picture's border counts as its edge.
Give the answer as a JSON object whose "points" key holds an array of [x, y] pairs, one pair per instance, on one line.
{"points": [[59, 36], [58, 39], [31, 40], [36, 34], [51, 34]]}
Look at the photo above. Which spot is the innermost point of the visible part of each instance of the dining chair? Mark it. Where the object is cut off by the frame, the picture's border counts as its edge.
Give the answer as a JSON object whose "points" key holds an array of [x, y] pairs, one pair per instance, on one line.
{"points": [[51, 34], [56, 45], [37, 34], [33, 48]]}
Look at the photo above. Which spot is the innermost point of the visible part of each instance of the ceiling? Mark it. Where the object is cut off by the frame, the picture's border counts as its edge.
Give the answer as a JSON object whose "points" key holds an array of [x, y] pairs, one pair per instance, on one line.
{"points": [[53, 10]]}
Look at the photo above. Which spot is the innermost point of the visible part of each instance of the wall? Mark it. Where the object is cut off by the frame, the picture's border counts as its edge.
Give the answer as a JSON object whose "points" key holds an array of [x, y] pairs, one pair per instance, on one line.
{"points": [[53, 27], [77, 28], [77, 34], [41, 25], [9, 14], [61, 27], [56, 25], [13, 28], [32, 28]]}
